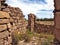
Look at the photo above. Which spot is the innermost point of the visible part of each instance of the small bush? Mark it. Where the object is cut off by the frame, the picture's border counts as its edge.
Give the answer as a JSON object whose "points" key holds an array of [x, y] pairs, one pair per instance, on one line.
{"points": [[50, 38], [29, 33], [23, 36], [45, 43]]}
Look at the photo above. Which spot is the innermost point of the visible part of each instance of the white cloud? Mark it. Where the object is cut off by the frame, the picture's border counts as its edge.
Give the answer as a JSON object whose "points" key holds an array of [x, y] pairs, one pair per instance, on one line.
{"points": [[31, 8]]}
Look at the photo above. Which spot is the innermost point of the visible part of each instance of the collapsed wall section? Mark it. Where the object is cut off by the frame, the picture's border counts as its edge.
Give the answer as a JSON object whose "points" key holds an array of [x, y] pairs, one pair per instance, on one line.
{"points": [[33, 26]]}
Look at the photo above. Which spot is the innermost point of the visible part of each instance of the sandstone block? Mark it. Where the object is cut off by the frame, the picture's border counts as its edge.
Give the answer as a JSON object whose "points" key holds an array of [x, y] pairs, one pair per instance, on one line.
{"points": [[4, 21], [4, 14], [1, 41], [6, 10], [5, 42], [9, 39], [11, 20], [3, 27], [14, 27], [4, 34], [10, 30], [9, 25], [2, 6]]}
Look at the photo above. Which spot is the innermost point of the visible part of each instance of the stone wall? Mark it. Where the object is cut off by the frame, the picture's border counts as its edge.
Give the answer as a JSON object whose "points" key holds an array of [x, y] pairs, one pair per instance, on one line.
{"points": [[5, 26], [17, 18], [11, 19], [57, 21], [44, 28], [5, 36], [37, 27]]}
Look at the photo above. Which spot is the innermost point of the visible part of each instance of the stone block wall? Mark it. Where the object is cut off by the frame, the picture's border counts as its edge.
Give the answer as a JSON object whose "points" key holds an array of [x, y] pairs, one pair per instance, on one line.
{"points": [[5, 36], [37, 27], [17, 18], [44, 28], [11, 19]]}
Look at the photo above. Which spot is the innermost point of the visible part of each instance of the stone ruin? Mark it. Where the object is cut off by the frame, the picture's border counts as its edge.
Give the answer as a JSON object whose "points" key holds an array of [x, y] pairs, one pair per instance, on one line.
{"points": [[11, 19], [5, 38], [34, 26], [17, 18], [55, 28]]}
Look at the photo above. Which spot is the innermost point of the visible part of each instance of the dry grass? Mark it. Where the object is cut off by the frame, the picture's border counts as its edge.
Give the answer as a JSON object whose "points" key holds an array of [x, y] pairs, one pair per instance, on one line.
{"points": [[46, 22], [40, 39]]}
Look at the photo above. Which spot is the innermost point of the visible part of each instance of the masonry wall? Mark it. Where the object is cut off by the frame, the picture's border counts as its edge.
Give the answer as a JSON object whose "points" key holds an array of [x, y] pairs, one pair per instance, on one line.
{"points": [[11, 19], [37, 27], [17, 18], [5, 26], [44, 28], [5, 33], [57, 21]]}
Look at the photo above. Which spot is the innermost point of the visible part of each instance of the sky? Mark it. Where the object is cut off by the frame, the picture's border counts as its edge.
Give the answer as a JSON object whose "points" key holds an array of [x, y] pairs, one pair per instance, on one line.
{"points": [[41, 8]]}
